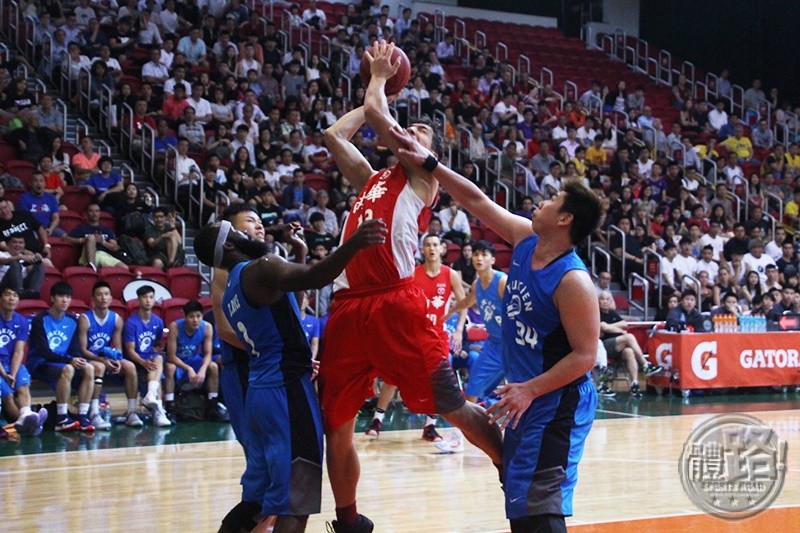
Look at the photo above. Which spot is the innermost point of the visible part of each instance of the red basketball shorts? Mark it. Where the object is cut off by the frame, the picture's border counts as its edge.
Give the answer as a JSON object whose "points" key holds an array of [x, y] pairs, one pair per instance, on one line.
{"points": [[389, 335]]}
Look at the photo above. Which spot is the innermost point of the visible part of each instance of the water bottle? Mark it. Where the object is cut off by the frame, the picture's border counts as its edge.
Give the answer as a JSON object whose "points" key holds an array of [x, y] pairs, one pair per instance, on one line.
{"points": [[105, 411]]}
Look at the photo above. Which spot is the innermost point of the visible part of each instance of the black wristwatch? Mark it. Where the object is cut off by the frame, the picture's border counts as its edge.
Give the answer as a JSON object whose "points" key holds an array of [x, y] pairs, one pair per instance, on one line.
{"points": [[430, 163]]}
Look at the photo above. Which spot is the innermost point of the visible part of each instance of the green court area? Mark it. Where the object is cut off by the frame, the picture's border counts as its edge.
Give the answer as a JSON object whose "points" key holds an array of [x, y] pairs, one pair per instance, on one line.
{"points": [[397, 418]]}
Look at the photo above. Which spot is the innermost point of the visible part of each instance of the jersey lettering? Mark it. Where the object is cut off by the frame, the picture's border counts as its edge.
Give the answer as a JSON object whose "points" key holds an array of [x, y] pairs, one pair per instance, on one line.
{"points": [[243, 330], [526, 335]]}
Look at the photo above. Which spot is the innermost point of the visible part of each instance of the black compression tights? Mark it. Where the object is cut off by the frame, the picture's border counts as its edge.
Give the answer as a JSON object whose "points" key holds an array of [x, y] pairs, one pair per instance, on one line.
{"points": [[543, 523]]}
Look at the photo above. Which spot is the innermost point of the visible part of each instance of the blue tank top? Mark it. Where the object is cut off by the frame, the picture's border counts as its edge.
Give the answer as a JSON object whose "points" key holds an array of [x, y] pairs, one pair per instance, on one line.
{"points": [[189, 345], [99, 335], [272, 335], [12, 331], [533, 337], [491, 305]]}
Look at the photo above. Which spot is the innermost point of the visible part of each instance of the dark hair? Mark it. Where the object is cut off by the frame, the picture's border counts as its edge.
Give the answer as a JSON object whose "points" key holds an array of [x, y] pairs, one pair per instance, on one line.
{"points": [[145, 289], [585, 208], [99, 285], [316, 216], [670, 245], [688, 292], [231, 211], [437, 144], [192, 306], [61, 288], [484, 246]]}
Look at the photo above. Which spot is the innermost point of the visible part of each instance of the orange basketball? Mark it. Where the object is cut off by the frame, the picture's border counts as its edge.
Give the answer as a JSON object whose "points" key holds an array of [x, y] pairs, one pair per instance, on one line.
{"points": [[396, 83]]}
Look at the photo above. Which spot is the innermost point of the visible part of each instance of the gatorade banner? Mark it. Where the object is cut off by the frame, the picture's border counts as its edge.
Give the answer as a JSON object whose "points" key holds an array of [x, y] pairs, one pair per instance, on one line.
{"points": [[714, 360]]}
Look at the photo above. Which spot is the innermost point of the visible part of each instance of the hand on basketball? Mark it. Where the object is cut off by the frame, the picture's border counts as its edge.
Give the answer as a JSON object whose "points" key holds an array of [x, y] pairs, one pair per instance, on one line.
{"points": [[380, 60], [410, 151], [516, 398], [370, 233]]}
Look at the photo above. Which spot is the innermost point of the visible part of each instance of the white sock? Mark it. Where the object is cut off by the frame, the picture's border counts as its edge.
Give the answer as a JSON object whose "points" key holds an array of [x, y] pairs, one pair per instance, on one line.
{"points": [[430, 420], [61, 409], [83, 408], [160, 405], [169, 396], [94, 407], [379, 416], [152, 388], [132, 404], [212, 395], [634, 382], [24, 411]]}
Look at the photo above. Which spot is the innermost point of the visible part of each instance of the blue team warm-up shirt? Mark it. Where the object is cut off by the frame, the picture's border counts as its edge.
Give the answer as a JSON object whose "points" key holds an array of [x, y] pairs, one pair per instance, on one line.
{"points": [[311, 327], [99, 335], [273, 335], [189, 346], [11, 331], [147, 337], [491, 306], [51, 339]]}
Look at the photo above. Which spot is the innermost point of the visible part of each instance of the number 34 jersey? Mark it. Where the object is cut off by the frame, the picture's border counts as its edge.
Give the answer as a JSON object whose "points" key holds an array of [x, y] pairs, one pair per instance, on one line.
{"points": [[387, 195], [273, 335]]}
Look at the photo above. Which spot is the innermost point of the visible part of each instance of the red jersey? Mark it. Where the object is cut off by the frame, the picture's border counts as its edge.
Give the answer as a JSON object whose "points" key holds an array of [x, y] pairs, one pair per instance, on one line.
{"points": [[387, 195], [437, 290]]}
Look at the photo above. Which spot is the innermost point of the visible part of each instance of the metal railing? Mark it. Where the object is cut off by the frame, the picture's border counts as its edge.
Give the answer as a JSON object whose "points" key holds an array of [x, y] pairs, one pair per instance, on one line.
{"points": [[644, 306], [495, 190], [778, 202], [657, 280], [616, 229], [595, 249], [148, 160]]}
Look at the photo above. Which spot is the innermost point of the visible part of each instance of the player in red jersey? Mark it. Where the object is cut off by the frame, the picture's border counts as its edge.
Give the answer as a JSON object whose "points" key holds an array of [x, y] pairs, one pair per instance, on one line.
{"points": [[378, 323], [438, 282]]}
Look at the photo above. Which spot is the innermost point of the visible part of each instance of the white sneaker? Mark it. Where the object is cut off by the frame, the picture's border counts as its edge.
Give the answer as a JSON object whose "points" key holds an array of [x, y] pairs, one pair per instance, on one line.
{"points": [[160, 419], [150, 401], [452, 442], [133, 420], [99, 423]]}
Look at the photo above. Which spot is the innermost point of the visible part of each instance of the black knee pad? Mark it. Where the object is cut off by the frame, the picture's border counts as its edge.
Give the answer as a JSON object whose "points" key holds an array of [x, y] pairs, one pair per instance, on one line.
{"points": [[543, 523], [240, 518]]}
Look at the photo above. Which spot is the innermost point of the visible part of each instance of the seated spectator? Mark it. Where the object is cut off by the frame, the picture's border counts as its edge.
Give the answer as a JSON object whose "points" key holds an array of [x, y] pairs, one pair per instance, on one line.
{"points": [[631, 256], [464, 264], [49, 116], [189, 358], [788, 259], [756, 260], [707, 263], [174, 106], [620, 344], [42, 205], [86, 162], [54, 356], [20, 269], [106, 181], [685, 314], [318, 234], [23, 223], [270, 212], [667, 268], [788, 304], [730, 305], [30, 142], [192, 130], [163, 241], [141, 336], [672, 302], [98, 243], [297, 197], [773, 279], [331, 222], [455, 225]]}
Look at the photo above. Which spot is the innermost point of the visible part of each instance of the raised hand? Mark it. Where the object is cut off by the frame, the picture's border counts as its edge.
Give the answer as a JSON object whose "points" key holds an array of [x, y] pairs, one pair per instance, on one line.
{"points": [[370, 233], [410, 151], [380, 60], [291, 234]]}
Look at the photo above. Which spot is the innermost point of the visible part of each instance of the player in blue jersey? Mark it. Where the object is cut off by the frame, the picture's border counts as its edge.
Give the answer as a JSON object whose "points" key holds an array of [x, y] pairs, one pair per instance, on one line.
{"points": [[142, 340], [487, 292], [14, 378], [189, 346], [234, 360], [284, 444], [54, 356], [550, 330], [100, 338]]}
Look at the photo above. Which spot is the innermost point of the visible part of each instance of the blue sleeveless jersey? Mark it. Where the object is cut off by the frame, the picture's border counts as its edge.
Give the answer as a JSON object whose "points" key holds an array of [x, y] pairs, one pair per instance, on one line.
{"points": [[99, 335], [533, 336], [491, 306], [189, 345], [12, 331], [273, 335]]}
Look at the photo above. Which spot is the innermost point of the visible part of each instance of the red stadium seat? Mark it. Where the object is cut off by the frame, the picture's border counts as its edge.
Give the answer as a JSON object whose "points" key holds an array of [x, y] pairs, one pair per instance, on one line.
{"points": [[173, 309], [21, 169], [117, 277], [31, 307], [184, 283], [107, 220], [78, 306], [119, 307], [621, 302], [13, 195], [52, 276], [7, 152], [62, 254], [502, 257], [76, 199], [453, 253], [70, 220], [206, 303], [477, 334], [151, 273], [81, 279]]}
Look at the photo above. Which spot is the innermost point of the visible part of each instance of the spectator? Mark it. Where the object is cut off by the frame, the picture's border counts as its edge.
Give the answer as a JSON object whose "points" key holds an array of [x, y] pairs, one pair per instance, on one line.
{"points": [[98, 243], [30, 142], [104, 182], [455, 225], [631, 256], [163, 241], [756, 260], [750, 288], [730, 305], [297, 196], [331, 222], [464, 264], [20, 269], [725, 285], [318, 235], [762, 136], [49, 116], [23, 223], [193, 47], [717, 117], [754, 95], [685, 313], [86, 162], [622, 345], [42, 205]]}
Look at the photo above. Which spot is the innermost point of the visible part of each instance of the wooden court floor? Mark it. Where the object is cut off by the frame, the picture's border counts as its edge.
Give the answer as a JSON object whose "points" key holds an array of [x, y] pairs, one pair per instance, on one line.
{"points": [[628, 482]]}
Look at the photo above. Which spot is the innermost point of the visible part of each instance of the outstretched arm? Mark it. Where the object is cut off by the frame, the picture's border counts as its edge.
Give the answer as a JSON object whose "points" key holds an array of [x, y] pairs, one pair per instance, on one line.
{"points": [[347, 157], [264, 279], [512, 228]]}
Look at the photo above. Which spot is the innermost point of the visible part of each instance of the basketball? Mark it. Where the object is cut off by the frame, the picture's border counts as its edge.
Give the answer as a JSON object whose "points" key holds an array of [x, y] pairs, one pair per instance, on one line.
{"points": [[396, 83]]}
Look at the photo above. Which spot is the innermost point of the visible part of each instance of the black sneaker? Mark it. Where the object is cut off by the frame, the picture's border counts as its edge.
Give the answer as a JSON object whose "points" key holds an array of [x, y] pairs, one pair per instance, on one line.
{"points": [[430, 434], [651, 369], [361, 525], [605, 391], [169, 410], [635, 392]]}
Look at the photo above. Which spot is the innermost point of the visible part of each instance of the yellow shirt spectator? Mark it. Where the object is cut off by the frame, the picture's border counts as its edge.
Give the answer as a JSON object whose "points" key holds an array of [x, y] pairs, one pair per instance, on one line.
{"points": [[596, 156], [741, 146]]}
